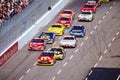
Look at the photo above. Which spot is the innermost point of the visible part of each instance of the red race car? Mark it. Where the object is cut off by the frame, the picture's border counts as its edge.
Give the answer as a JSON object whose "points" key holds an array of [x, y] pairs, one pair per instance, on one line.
{"points": [[37, 44], [46, 58], [65, 21], [88, 7]]}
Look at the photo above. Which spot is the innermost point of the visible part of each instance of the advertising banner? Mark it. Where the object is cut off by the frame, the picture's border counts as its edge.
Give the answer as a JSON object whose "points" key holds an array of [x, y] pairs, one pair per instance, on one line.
{"points": [[8, 53]]}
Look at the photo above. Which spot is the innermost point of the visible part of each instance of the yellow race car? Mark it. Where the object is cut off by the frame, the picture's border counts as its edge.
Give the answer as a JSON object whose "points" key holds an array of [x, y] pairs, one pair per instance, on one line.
{"points": [[59, 52], [58, 29]]}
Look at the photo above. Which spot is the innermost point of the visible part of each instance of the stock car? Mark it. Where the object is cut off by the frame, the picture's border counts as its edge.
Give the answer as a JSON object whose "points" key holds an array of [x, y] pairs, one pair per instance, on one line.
{"points": [[88, 7], [86, 16], [46, 58], [65, 21], [97, 3], [37, 44], [78, 31], [59, 52], [67, 13], [58, 29], [68, 41], [48, 36]]}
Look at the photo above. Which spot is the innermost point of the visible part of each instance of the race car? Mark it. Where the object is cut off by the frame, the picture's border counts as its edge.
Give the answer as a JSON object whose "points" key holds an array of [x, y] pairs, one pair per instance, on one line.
{"points": [[97, 3], [65, 21], [46, 58], [57, 29], [69, 41], [37, 44], [48, 36], [86, 16], [59, 52], [88, 7], [67, 13], [78, 31]]}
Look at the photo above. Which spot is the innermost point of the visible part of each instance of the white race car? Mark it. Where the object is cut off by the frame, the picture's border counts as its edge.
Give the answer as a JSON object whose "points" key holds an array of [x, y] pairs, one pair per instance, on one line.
{"points": [[86, 16], [68, 41]]}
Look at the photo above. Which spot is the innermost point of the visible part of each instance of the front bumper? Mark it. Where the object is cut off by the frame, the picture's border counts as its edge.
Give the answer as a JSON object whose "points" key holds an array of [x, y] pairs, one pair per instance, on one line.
{"points": [[41, 48], [67, 45], [84, 19], [45, 64]]}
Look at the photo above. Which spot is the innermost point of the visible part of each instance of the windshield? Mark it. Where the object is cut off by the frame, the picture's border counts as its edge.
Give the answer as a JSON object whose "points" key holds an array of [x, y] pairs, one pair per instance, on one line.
{"points": [[78, 28], [56, 50], [67, 12], [65, 19], [88, 6], [86, 13], [56, 26], [37, 40], [47, 54], [68, 38]]}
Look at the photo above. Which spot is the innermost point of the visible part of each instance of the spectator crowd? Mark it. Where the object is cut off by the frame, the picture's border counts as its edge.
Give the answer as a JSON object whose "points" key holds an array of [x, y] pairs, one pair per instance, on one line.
{"points": [[8, 8]]}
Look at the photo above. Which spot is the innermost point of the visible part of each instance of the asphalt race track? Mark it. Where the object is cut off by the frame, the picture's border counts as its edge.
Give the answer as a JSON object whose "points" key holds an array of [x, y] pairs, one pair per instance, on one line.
{"points": [[99, 48]]}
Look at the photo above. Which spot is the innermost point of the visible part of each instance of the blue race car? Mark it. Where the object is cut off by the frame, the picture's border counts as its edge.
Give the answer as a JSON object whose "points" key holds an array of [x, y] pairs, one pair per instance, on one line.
{"points": [[78, 31], [48, 36]]}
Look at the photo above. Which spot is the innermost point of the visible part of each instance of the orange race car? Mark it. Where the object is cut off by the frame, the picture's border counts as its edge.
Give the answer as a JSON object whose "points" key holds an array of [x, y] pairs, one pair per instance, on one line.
{"points": [[67, 13]]}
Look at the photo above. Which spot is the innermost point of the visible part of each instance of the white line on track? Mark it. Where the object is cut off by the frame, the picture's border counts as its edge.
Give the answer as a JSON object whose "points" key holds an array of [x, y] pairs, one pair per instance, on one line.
{"points": [[117, 33], [103, 17], [111, 7], [60, 37], [100, 21], [21, 77], [107, 12], [35, 63], [71, 57], [95, 27], [86, 78], [95, 64], [65, 31], [59, 71], [86, 38], [48, 49], [105, 51], [76, 50], [113, 39], [53, 78], [109, 44], [54, 43], [114, 3], [90, 73], [81, 44], [100, 58], [118, 78], [65, 64], [28, 70], [91, 32]]}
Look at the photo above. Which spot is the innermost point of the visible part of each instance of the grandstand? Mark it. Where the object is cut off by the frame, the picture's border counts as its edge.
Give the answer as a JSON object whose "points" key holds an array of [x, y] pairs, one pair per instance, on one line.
{"points": [[8, 8]]}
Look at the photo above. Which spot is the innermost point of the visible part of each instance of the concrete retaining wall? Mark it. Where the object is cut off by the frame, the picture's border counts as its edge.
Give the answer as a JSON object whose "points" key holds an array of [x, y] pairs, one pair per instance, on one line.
{"points": [[28, 35]]}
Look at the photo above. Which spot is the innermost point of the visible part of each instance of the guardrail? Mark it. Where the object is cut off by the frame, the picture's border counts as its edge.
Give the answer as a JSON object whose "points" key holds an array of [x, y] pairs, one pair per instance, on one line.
{"points": [[30, 33]]}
